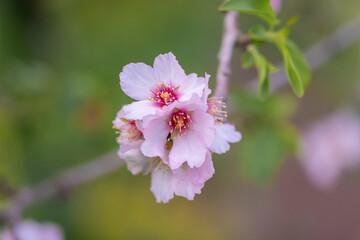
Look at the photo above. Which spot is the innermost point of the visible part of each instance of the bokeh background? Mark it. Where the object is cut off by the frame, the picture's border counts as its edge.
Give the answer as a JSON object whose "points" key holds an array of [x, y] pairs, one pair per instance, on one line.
{"points": [[59, 92]]}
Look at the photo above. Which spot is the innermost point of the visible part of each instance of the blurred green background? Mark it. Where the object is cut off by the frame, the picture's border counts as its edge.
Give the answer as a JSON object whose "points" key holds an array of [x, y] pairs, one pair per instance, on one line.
{"points": [[59, 92]]}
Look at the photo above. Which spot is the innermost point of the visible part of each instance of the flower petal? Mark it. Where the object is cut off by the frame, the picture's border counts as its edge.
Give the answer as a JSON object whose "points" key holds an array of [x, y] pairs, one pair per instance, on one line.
{"points": [[203, 124], [135, 80], [191, 85], [167, 69], [190, 148], [155, 134], [162, 185], [135, 160], [184, 187], [140, 109], [200, 175], [225, 133]]}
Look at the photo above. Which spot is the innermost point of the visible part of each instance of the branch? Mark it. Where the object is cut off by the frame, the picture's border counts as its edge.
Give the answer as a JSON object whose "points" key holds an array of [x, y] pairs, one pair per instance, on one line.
{"points": [[61, 184], [228, 43]]}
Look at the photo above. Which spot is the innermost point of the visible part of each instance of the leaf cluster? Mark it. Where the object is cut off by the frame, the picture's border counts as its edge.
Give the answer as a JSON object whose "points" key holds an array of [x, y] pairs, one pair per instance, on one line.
{"points": [[296, 66]]}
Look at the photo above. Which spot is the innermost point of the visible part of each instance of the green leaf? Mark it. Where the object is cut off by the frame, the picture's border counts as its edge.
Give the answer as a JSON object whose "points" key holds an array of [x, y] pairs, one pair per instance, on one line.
{"points": [[258, 33], [262, 154], [260, 8], [292, 72], [263, 69], [247, 60], [299, 61]]}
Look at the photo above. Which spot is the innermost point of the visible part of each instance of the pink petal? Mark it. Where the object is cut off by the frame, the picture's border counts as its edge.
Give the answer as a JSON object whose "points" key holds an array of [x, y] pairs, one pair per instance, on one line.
{"points": [[138, 110], [203, 125], [190, 148], [207, 90], [155, 134], [162, 185], [225, 133], [191, 85], [135, 80], [168, 69], [135, 160], [185, 187], [200, 175]]}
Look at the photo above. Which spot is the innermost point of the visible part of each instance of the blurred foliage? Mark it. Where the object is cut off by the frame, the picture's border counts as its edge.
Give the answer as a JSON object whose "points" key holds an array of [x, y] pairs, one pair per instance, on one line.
{"points": [[59, 92], [270, 137]]}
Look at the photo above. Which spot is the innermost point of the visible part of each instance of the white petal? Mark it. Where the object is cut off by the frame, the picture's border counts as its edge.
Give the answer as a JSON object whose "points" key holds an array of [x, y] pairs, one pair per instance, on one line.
{"points": [[135, 160], [203, 124], [140, 109], [190, 148], [135, 80], [155, 134], [225, 133], [162, 185], [191, 85], [167, 69]]}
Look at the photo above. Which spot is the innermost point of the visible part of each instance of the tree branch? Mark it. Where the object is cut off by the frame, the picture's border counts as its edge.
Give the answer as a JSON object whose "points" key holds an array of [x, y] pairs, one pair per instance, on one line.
{"points": [[61, 184], [228, 43]]}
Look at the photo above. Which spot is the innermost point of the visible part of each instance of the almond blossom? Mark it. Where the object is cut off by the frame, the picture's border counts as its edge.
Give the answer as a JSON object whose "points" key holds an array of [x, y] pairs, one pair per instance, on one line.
{"points": [[165, 182], [173, 127], [31, 230], [276, 4], [157, 86], [225, 132], [330, 147], [187, 125]]}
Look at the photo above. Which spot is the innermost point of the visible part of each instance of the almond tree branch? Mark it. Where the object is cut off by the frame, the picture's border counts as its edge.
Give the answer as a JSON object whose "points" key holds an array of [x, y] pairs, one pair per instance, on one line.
{"points": [[61, 184], [228, 43]]}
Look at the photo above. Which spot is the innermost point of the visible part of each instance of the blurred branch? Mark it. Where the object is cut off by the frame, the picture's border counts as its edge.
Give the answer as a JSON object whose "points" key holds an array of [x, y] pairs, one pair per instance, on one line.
{"points": [[61, 184], [319, 53], [228, 43]]}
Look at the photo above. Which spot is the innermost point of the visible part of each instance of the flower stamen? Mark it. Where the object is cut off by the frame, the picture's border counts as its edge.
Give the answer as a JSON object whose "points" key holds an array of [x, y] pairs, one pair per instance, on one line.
{"points": [[216, 108], [163, 94]]}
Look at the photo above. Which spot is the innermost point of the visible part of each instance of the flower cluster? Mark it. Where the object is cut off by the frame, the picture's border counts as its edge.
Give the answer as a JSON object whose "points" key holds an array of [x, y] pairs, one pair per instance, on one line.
{"points": [[172, 128]]}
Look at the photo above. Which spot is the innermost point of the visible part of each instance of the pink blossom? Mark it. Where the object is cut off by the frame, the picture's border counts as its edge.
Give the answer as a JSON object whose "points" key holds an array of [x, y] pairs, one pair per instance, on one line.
{"points": [[165, 182], [31, 230], [154, 88], [172, 128], [276, 4], [225, 132], [187, 125], [330, 147]]}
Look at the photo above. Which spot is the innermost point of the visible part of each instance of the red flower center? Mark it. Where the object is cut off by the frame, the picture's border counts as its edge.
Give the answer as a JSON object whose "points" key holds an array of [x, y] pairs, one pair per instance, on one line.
{"points": [[179, 123], [163, 94]]}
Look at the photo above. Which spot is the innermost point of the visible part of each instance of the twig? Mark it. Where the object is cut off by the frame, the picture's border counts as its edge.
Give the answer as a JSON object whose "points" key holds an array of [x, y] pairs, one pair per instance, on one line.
{"points": [[62, 183], [230, 37]]}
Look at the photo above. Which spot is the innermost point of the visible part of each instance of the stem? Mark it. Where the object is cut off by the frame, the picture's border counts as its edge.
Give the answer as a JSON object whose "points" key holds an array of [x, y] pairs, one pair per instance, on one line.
{"points": [[230, 37], [61, 184]]}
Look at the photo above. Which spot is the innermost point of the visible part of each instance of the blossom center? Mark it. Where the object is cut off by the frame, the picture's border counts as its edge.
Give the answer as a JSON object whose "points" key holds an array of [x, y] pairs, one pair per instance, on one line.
{"points": [[216, 107], [179, 123], [129, 131], [163, 94]]}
